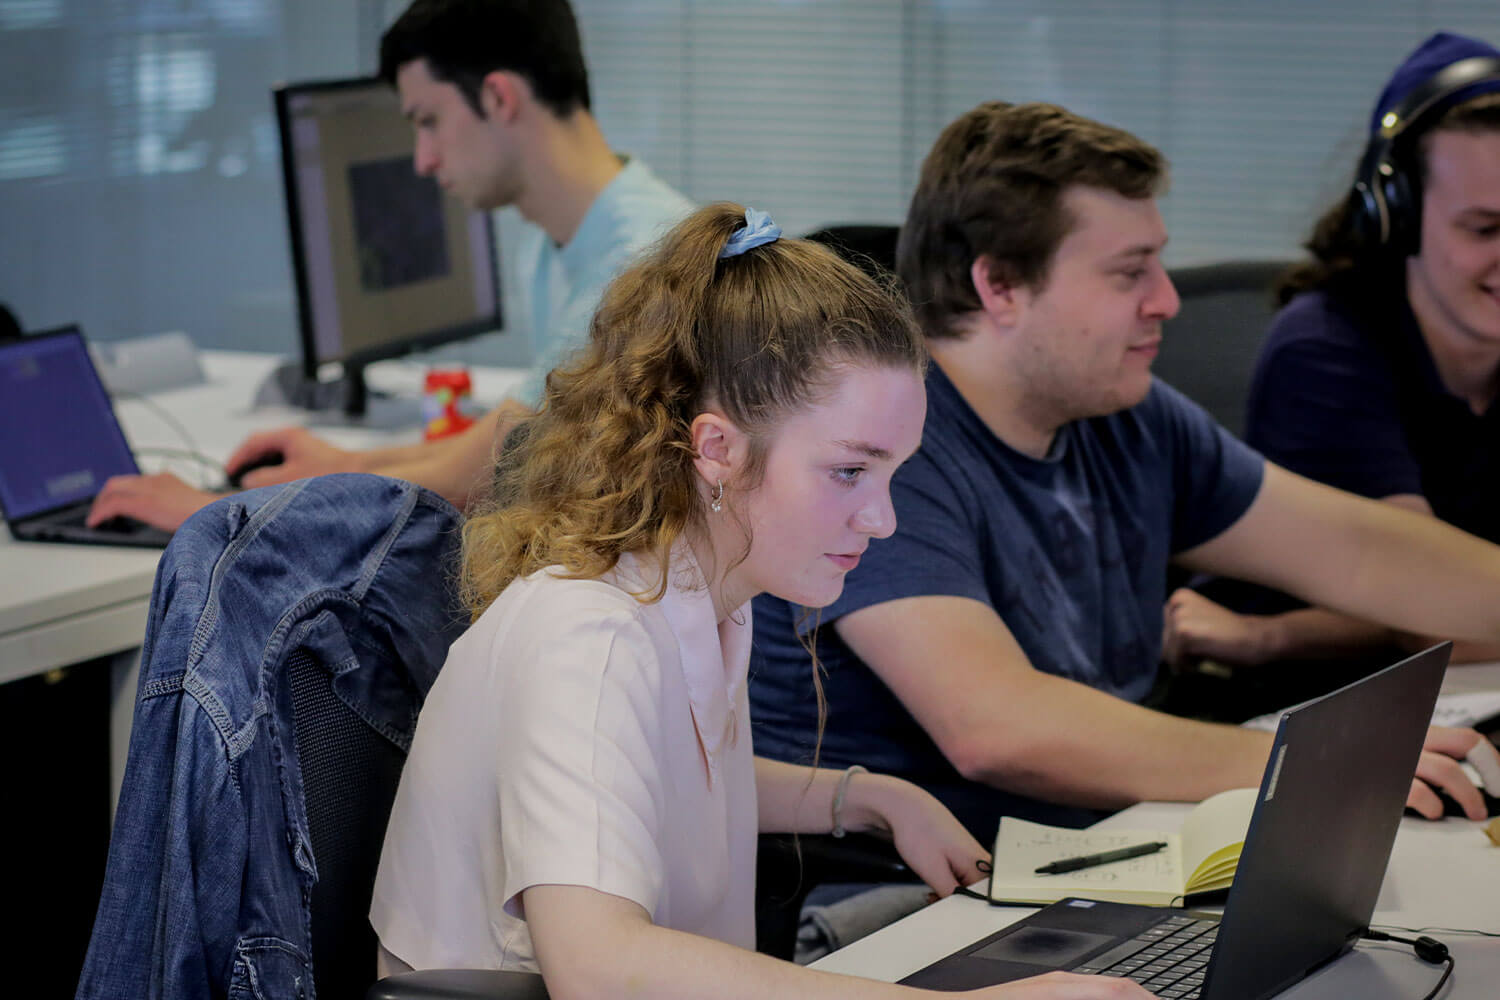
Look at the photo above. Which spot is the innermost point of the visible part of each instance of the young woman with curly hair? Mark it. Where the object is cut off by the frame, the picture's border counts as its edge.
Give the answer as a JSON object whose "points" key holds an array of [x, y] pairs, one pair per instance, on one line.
{"points": [[581, 797]]}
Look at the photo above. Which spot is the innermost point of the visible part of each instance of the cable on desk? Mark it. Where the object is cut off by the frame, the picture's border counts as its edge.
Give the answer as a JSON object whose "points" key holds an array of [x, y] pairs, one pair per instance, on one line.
{"points": [[213, 482], [1428, 950], [985, 868], [191, 451], [1437, 930]]}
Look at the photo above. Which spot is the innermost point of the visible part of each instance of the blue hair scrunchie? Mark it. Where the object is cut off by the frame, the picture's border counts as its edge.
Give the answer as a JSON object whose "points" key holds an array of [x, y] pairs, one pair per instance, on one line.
{"points": [[758, 230]]}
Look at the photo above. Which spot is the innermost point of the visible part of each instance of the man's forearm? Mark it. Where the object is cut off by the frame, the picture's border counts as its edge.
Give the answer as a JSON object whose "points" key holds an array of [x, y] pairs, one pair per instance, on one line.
{"points": [[1317, 634], [1067, 742], [962, 675], [1464, 651], [459, 467], [1365, 558], [1426, 576], [1320, 634]]}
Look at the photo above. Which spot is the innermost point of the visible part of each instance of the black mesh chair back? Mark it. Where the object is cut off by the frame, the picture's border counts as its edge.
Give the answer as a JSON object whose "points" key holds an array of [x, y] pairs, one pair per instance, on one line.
{"points": [[460, 984], [872, 248], [789, 867], [1209, 349], [349, 777]]}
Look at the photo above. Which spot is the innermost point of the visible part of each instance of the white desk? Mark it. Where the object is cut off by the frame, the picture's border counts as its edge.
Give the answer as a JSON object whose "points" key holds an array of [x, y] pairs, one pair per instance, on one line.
{"points": [[1441, 875], [1444, 874], [66, 604]]}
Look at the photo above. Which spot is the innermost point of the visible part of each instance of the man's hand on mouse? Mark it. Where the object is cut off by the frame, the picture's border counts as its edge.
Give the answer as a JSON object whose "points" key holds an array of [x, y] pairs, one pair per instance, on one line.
{"points": [[1439, 768], [161, 499], [301, 454], [164, 501]]}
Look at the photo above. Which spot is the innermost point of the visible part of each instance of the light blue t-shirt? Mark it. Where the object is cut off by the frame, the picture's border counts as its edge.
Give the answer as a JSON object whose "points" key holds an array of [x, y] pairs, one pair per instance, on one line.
{"points": [[565, 282]]}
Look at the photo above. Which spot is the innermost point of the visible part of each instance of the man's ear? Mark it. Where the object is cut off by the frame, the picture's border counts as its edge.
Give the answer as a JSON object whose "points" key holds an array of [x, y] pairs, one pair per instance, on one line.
{"points": [[999, 296], [719, 448], [502, 94]]}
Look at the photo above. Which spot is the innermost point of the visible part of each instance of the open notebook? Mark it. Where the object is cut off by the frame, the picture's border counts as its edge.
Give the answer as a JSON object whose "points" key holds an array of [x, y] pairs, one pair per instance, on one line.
{"points": [[1202, 858]]}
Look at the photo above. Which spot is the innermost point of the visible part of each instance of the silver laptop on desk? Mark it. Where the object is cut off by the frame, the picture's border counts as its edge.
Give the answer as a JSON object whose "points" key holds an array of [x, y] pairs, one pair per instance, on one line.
{"points": [[60, 442], [1308, 878]]}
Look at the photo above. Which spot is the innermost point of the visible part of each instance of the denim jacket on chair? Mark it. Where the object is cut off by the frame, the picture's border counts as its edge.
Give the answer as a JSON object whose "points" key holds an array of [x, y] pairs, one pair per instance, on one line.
{"points": [[207, 889]]}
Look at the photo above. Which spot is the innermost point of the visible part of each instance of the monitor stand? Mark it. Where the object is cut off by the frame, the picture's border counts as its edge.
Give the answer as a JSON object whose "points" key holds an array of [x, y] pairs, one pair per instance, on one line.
{"points": [[344, 402]]}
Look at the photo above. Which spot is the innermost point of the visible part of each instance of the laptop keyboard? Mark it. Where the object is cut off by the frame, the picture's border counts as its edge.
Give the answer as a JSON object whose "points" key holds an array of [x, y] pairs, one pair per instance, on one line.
{"points": [[1168, 959], [68, 524]]}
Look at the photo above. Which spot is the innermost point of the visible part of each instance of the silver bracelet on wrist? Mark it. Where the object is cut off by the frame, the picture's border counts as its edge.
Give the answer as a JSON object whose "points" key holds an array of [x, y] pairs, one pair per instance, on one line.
{"points": [[838, 797]]}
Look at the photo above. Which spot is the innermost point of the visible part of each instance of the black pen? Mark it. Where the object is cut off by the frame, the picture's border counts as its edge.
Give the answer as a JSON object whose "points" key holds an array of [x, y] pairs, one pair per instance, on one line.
{"points": [[1102, 858]]}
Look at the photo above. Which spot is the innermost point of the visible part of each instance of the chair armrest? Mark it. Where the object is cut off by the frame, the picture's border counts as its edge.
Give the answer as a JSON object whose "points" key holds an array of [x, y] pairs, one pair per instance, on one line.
{"points": [[460, 984], [813, 859], [787, 867]]}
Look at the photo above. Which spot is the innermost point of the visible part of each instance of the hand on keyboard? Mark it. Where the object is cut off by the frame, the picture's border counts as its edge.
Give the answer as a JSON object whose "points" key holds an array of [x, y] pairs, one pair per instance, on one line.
{"points": [[161, 500]]}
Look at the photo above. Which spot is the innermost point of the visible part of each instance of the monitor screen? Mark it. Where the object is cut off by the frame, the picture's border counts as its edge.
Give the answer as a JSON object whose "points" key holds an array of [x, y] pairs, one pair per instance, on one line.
{"points": [[384, 261]]}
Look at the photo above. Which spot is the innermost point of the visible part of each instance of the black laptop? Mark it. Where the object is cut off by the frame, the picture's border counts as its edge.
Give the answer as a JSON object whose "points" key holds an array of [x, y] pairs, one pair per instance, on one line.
{"points": [[1308, 877], [60, 442]]}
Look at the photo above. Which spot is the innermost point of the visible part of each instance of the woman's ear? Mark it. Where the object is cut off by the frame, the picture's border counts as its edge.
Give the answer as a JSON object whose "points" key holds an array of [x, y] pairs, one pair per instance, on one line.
{"points": [[719, 448]]}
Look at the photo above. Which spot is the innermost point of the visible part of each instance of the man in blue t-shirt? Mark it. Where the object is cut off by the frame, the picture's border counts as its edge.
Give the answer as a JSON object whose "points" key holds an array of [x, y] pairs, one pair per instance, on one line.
{"points": [[995, 648]]}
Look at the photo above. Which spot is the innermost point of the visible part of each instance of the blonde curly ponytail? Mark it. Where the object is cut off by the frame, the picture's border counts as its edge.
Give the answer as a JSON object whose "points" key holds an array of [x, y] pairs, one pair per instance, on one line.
{"points": [[605, 467]]}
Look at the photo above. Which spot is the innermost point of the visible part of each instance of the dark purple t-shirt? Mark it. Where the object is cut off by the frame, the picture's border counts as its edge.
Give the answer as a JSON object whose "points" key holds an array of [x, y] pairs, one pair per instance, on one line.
{"points": [[1350, 396]]}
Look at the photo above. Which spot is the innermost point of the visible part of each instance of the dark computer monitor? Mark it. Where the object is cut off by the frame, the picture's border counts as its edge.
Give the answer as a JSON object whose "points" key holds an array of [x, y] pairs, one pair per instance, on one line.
{"points": [[385, 262]]}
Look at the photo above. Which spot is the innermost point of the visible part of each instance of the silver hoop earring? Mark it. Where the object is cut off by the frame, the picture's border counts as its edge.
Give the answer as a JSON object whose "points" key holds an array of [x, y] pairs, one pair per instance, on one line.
{"points": [[717, 503]]}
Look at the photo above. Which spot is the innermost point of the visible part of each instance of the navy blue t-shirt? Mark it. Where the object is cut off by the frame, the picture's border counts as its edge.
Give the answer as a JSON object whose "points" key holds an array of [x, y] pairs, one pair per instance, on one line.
{"points": [[1351, 397], [1071, 551]]}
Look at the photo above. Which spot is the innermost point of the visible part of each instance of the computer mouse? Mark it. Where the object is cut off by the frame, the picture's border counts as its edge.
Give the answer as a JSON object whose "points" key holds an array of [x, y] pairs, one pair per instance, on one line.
{"points": [[236, 479]]}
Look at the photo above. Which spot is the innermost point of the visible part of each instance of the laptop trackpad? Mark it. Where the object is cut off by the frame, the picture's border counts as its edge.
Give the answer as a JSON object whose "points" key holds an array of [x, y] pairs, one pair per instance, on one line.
{"points": [[1048, 947]]}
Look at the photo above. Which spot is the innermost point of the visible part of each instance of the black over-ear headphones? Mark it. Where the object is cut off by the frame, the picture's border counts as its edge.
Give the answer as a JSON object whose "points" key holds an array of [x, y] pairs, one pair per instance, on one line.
{"points": [[1386, 203], [10, 327]]}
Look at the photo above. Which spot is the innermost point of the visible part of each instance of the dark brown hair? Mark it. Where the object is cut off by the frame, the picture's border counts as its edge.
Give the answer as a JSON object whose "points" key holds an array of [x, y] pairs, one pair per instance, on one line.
{"points": [[463, 41], [993, 186], [1345, 259]]}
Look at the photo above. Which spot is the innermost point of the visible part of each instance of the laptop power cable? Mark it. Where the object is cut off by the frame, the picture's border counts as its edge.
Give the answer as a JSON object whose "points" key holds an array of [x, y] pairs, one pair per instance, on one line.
{"points": [[1428, 949]]}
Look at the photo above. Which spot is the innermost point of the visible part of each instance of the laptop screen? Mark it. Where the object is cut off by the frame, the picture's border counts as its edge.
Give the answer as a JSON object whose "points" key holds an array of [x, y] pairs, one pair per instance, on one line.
{"points": [[61, 439]]}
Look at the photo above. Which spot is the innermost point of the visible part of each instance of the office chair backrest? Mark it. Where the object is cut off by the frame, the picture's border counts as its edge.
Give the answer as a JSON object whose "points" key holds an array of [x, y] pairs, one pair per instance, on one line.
{"points": [[292, 635], [1209, 349], [349, 777], [862, 245]]}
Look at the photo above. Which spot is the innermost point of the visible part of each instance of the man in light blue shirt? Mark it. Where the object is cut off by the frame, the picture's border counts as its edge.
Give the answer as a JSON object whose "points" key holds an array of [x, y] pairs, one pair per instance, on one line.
{"points": [[498, 96], [567, 278]]}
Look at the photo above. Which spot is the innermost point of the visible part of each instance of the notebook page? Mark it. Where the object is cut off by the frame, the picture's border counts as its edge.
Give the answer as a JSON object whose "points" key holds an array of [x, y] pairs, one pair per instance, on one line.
{"points": [[1022, 847]]}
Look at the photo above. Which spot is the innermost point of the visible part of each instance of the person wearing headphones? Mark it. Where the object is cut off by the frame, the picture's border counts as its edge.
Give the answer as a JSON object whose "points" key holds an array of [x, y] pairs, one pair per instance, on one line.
{"points": [[1379, 375]]}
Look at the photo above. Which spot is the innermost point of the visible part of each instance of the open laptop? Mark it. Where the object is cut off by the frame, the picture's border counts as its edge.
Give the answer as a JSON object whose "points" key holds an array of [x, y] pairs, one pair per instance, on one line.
{"points": [[61, 441], [1308, 878]]}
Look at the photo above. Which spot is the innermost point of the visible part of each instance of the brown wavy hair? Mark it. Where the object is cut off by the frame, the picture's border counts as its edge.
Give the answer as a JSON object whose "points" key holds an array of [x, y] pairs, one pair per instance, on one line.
{"points": [[606, 466], [1345, 261]]}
